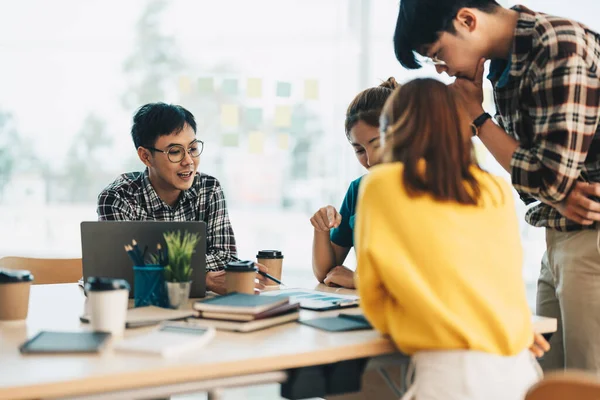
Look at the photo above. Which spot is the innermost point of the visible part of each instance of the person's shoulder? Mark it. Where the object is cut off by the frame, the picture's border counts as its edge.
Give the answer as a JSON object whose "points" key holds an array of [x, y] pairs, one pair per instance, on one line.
{"points": [[557, 37], [354, 185], [205, 184], [382, 175], [125, 186]]}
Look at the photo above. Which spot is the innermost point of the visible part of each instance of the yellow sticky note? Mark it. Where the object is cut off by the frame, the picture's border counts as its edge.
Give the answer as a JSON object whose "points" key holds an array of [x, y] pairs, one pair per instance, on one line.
{"points": [[311, 89], [230, 115], [185, 85], [283, 116], [254, 87], [256, 141], [283, 141]]}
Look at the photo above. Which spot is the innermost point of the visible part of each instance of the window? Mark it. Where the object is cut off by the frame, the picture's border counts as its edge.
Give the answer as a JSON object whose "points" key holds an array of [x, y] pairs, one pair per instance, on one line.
{"points": [[269, 91]]}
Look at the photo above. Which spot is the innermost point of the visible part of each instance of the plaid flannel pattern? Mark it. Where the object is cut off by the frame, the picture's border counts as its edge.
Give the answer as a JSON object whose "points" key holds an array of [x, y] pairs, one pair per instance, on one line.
{"points": [[548, 99], [132, 198]]}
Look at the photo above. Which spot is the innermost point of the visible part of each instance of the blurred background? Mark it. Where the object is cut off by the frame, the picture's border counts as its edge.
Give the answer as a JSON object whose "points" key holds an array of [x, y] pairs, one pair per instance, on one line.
{"points": [[268, 82]]}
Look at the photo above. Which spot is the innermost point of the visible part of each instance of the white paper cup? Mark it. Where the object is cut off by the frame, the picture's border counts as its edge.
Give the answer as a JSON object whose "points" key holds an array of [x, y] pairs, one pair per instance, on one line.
{"points": [[107, 304]]}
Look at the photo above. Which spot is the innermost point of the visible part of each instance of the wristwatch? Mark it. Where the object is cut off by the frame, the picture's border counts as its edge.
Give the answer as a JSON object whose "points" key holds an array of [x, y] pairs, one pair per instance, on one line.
{"points": [[477, 122]]}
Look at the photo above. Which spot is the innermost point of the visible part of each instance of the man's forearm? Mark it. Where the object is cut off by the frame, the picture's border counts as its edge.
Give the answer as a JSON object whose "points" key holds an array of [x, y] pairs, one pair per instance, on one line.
{"points": [[498, 143]]}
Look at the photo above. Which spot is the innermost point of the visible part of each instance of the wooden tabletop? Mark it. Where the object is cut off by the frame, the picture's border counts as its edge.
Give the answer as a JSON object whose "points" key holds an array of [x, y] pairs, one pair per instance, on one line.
{"points": [[58, 307]]}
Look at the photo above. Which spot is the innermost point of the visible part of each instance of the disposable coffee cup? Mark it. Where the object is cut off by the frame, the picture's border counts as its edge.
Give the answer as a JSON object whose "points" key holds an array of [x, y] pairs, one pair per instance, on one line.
{"points": [[14, 294], [239, 277], [273, 260], [107, 304]]}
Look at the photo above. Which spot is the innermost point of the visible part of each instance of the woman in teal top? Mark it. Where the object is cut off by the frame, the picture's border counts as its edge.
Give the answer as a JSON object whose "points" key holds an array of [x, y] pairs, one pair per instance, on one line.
{"points": [[333, 230]]}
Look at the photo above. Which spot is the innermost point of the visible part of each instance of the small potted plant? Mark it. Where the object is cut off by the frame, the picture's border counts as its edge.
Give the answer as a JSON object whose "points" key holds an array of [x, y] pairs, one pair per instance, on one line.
{"points": [[178, 266]]}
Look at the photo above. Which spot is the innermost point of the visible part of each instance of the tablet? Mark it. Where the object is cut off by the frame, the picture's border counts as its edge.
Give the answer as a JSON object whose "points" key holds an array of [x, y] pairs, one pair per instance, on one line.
{"points": [[46, 342]]}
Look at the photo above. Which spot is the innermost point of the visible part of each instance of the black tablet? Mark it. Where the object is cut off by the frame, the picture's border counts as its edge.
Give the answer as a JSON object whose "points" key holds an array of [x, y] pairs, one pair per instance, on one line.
{"points": [[47, 342]]}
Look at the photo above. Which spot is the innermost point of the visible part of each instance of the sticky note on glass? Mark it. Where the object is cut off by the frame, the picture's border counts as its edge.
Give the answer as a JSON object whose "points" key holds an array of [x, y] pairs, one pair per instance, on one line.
{"points": [[283, 141], [230, 116], [230, 86], [284, 89], [283, 116], [254, 116], [311, 89], [231, 140], [185, 84], [206, 85], [256, 142], [254, 87]]}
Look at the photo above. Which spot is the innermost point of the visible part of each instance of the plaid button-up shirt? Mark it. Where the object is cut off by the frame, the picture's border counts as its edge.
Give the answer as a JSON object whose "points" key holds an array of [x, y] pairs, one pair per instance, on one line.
{"points": [[132, 198], [547, 97]]}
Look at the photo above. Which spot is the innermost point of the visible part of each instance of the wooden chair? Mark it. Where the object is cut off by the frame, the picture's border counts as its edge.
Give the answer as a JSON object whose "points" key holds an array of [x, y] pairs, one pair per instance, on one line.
{"points": [[566, 385], [47, 270]]}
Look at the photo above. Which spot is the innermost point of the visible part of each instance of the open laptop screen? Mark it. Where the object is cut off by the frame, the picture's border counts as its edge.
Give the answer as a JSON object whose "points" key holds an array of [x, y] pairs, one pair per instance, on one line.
{"points": [[103, 253]]}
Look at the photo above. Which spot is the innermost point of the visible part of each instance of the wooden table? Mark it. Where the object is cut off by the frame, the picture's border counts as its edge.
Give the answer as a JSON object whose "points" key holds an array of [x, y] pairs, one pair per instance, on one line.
{"points": [[229, 359], [58, 307]]}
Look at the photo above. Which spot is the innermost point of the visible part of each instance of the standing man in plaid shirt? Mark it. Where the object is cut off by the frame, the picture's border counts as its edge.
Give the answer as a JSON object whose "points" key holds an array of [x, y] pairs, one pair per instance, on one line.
{"points": [[171, 189], [544, 72]]}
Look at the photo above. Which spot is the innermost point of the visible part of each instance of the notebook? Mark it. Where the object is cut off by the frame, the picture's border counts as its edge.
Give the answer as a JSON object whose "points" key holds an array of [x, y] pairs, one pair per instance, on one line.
{"points": [[47, 342], [341, 323], [150, 315], [170, 339], [240, 303], [316, 300], [245, 326], [251, 317]]}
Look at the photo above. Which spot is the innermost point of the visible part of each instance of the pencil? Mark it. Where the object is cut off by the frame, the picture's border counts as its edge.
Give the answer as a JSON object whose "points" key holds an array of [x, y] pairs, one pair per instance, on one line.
{"points": [[277, 281]]}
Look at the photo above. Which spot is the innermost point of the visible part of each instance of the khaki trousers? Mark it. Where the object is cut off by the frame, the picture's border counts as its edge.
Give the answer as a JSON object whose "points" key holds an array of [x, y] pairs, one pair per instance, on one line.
{"points": [[569, 290]]}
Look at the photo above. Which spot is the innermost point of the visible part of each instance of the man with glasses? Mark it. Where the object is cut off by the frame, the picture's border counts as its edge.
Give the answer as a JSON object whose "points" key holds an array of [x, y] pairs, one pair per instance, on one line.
{"points": [[171, 189], [544, 73]]}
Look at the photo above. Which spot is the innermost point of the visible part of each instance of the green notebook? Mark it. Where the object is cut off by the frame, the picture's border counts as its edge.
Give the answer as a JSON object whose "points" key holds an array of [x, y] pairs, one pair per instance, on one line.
{"points": [[240, 303], [341, 323]]}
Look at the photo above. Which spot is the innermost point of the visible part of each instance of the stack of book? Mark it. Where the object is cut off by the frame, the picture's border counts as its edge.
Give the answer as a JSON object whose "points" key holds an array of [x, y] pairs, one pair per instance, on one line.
{"points": [[244, 312]]}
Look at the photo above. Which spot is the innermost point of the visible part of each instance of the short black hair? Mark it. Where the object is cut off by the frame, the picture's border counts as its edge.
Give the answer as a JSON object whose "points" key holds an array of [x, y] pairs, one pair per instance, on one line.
{"points": [[159, 119], [420, 23]]}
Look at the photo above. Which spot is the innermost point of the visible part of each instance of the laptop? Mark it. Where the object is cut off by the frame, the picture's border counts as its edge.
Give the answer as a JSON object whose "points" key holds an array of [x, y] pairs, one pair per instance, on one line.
{"points": [[103, 253]]}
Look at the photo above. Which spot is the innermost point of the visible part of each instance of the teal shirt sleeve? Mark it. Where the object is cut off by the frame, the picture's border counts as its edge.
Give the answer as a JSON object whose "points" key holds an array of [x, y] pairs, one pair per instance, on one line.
{"points": [[343, 235]]}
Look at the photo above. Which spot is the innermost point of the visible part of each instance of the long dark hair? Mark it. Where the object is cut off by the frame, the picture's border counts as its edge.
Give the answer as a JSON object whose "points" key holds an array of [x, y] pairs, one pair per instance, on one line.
{"points": [[422, 121]]}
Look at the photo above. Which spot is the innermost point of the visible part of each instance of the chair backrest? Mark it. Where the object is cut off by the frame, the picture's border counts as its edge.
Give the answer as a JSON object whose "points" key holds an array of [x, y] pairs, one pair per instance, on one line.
{"points": [[566, 385], [47, 270]]}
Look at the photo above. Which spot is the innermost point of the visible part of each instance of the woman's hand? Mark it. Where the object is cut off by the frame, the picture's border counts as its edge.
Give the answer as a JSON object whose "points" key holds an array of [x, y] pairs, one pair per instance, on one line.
{"points": [[325, 219], [540, 345], [340, 276]]}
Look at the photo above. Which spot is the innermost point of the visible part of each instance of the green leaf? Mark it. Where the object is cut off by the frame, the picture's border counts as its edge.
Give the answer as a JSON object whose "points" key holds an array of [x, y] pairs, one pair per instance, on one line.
{"points": [[180, 248]]}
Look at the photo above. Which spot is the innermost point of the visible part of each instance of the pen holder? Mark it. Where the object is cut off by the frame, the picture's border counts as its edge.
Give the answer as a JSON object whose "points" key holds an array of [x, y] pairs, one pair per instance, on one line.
{"points": [[149, 286]]}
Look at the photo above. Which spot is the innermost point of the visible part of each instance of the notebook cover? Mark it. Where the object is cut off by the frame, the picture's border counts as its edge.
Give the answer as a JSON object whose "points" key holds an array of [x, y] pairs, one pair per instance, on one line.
{"points": [[240, 303], [65, 342], [168, 340], [247, 326], [251, 317], [342, 323]]}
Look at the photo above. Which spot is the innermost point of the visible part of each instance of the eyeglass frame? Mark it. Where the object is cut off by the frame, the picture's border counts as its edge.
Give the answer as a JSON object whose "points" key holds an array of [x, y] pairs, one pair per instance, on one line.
{"points": [[188, 150], [435, 61]]}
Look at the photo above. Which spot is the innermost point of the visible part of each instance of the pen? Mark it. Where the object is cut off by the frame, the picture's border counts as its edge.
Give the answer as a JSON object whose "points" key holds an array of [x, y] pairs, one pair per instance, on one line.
{"points": [[270, 277]]}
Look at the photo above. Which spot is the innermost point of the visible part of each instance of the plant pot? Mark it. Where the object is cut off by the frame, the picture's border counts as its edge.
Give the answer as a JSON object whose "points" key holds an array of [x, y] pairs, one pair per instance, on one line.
{"points": [[179, 294]]}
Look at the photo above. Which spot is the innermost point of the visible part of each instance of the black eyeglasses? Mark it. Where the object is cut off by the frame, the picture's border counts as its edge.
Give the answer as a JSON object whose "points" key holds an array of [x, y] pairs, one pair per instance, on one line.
{"points": [[176, 152]]}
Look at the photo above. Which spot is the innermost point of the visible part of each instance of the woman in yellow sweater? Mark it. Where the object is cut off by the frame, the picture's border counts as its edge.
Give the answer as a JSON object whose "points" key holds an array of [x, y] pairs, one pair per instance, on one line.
{"points": [[439, 254]]}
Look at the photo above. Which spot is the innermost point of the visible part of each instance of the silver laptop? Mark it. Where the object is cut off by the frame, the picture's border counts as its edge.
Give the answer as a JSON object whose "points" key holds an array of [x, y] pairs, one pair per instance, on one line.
{"points": [[103, 253]]}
